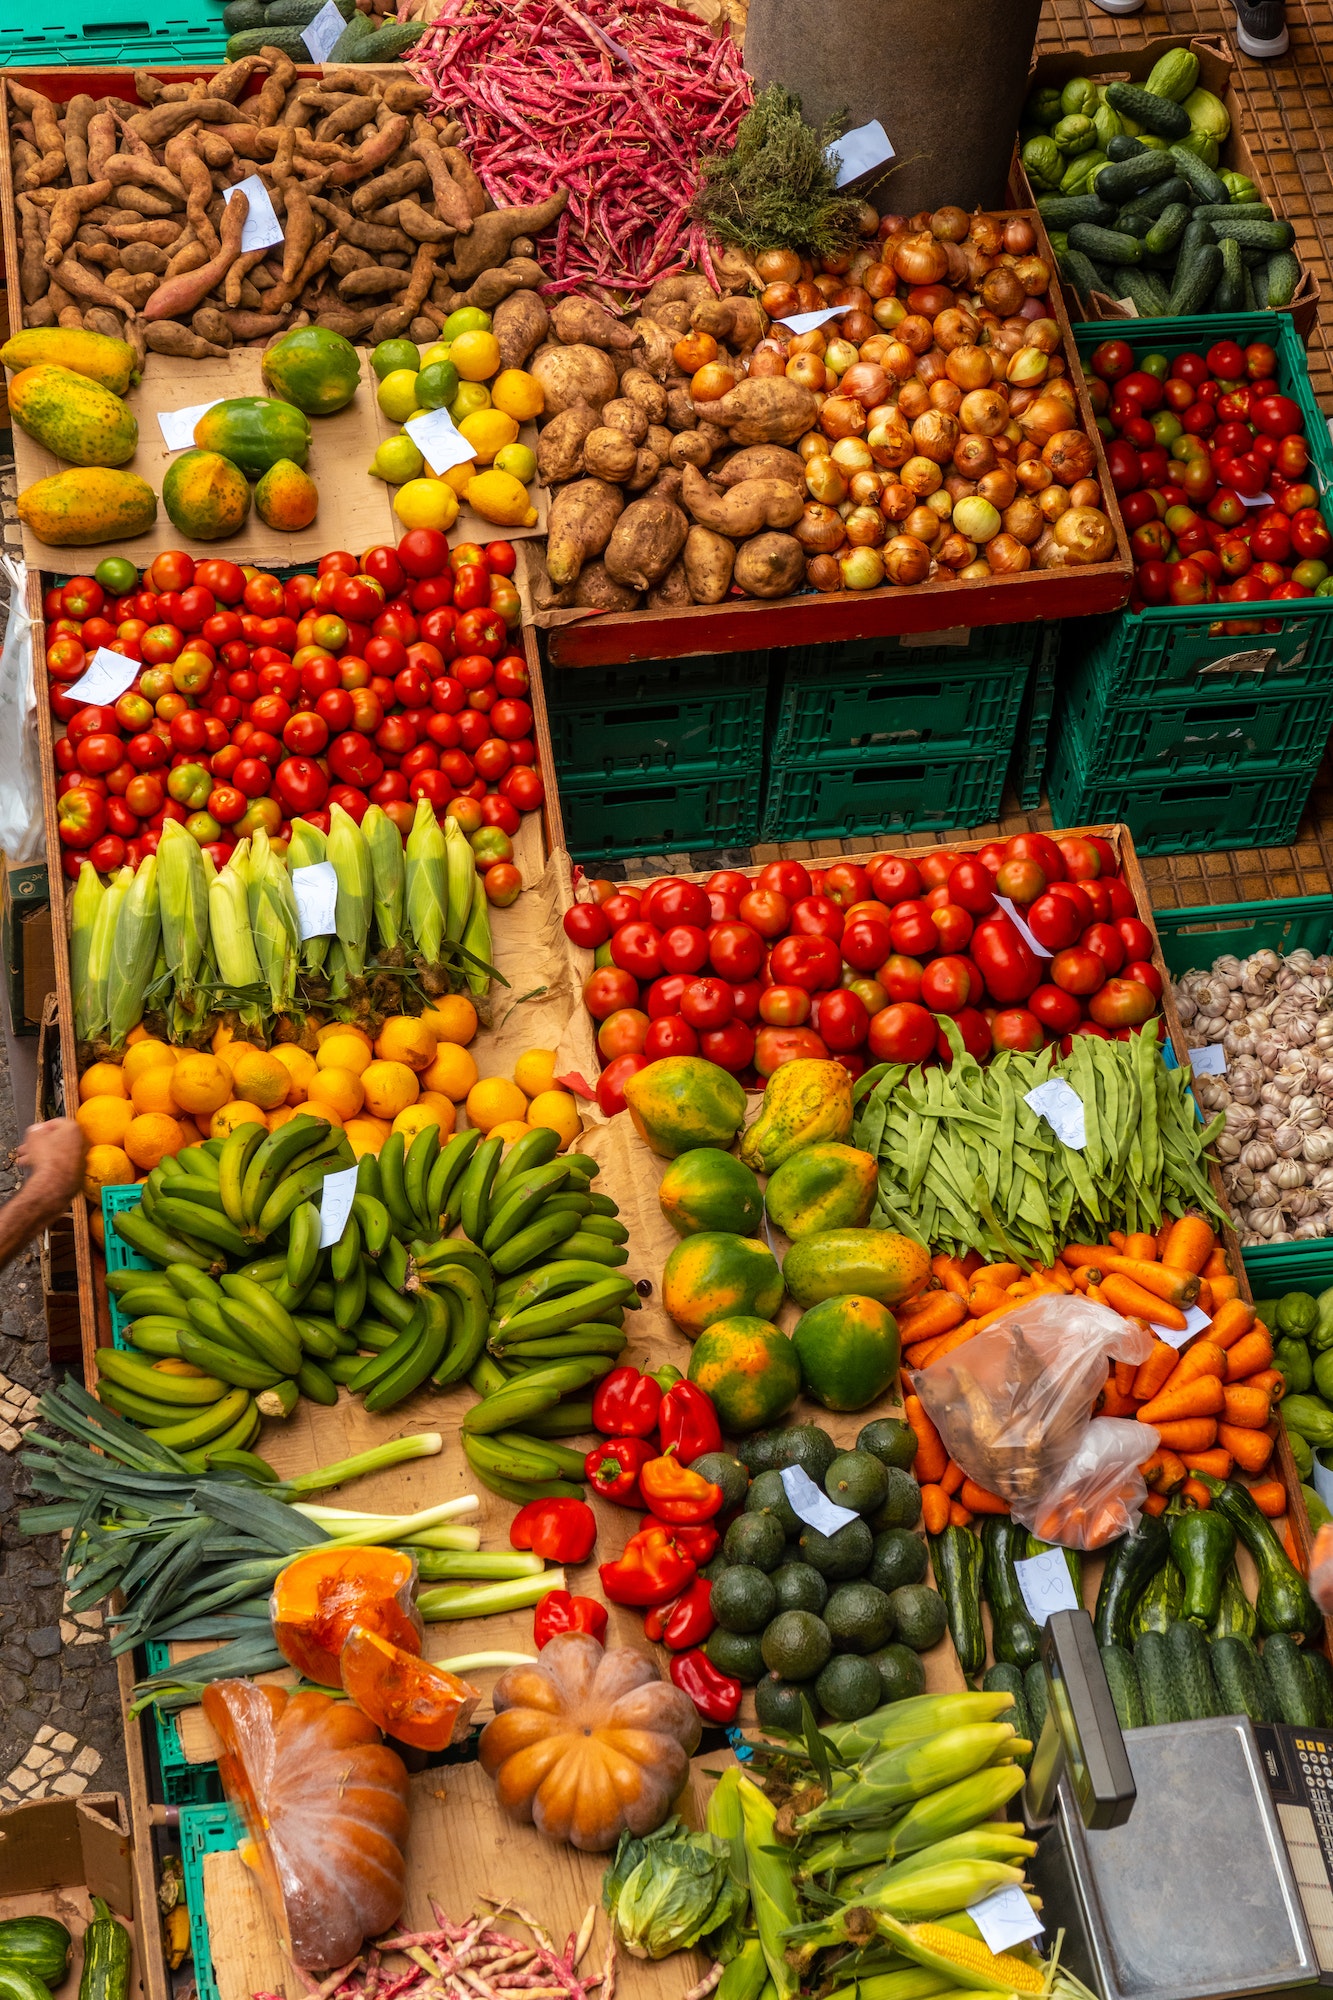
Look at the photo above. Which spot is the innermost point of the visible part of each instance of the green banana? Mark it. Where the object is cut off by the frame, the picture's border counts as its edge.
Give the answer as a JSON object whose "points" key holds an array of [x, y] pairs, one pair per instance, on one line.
{"points": [[534, 1149], [562, 1274], [475, 1191], [304, 1182], [390, 1305], [191, 1283], [445, 1174], [256, 1469], [421, 1157], [557, 1315], [375, 1334], [373, 1220], [204, 1194], [564, 1463], [596, 1248], [242, 1433], [293, 1146], [239, 1148], [565, 1420], [604, 1226], [349, 1299], [163, 1246], [394, 1196], [410, 1373], [194, 1160], [568, 1204], [208, 1318], [142, 1410], [206, 1426], [265, 1270], [240, 1370], [318, 1337], [486, 1377], [512, 1489], [279, 1400], [538, 1239], [344, 1368], [126, 1371], [368, 1176], [256, 1300], [156, 1336], [533, 1393], [434, 1258], [319, 1299], [345, 1254], [508, 1460], [316, 1383], [379, 1365], [467, 1345], [302, 1246], [260, 1337], [393, 1264], [602, 1204], [524, 1198], [561, 1346], [155, 1294]]}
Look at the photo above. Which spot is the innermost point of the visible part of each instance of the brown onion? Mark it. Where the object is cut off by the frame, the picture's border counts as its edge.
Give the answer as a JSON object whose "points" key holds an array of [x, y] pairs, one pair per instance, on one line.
{"points": [[863, 257], [1085, 493], [955, 328], [925, 524], [814, 342], [874, 347], [866, 487], [955, 550], [1024, 520], [839, 355], [889, 313], [779, 300], [1019, 235], [809, 298], [812, 445], [1028, 368], [917, 332], [864, 527], [857, 326], [1034, 275], [714, 379], [867, 219], [823, 573], [1070, 456], [1021, 400], [956, 488], [920, 221], [885, 412], [826, 286], [808, 370], [1002, 289], [935, 433], [986, 234], [920, 260], [906, 560], [977, 519], [825, 480], [1042, 333], [959, 272], [896, 501], [974, 455], [1005, 446], [890, 444], [946, 395], [913, 400], [1033, 476], [851, 454], [854, 297], [820, 529], [861, 568], [893, 225], [898, 361], [1059, 366], [930, 368], [778, 266], [1086, 536], [949, 224], [1046, 415], [1006, 339], [842, 417], [975, 571], [835, 263], [770, 362], [971, 367], [1007, 556], [929, 300], [1054, 502], [880, 280], [868, 382], [984, 411], [999, 486], [921, 476]]}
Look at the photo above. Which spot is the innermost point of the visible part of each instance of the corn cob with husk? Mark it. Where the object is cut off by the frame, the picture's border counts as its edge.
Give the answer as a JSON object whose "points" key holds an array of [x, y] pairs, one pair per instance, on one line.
{"points": [[953, 1809], [897, 1777], [462, 888], [183, 896], [84, 905], [919, 1716], [239, 972], [351, 862], [476, 939], [134, 952], [306, 849], [773, 1905], [970, 1964], [271, 901], [388, 874], [918, 1897], [425, 883]]}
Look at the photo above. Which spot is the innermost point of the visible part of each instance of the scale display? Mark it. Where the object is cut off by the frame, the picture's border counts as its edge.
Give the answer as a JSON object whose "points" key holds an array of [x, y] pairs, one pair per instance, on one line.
{"points": [[1298, 1764]]}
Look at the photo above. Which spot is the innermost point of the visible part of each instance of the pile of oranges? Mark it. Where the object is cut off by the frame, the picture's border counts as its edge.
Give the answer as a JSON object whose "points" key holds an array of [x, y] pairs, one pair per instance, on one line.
{"points": [[416, 1072]]}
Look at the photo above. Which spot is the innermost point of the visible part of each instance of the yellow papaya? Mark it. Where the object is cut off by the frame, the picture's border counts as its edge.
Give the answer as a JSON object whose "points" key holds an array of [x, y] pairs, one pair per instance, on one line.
{"points": [[875, 1263], [822, 1187], [103, 359], [286, 498], [714, 1274], [804, 1101], [88, 504], [75, 418], [205, 495], [684, 1101]]}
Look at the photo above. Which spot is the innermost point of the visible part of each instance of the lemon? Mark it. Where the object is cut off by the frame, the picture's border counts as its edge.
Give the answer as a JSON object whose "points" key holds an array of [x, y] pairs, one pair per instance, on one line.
{"points": [[397, 460], [437, 351], [499, 497], [397, 394], [394, 354], [471, 396], [519, 459], [488, 431], [467, 319], [426, 503], [437, 385], [460, 476], [518, 394], [476, 355]]}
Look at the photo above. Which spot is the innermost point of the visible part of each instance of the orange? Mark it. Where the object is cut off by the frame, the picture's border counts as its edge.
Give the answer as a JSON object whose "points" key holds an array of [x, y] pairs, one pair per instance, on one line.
{"points": [[152, 1091], [509, 1130], [104, 1121], [345, 1050], [415, 1119], [231, 1054], [138, 1033], [300, 1067], [404, 1040], [103, 1079], [342, 1028], [535, 1071], [452, 1019], [225, 1120], [366, 1135], [444, 1113], [261, 1079], [151, 1137], [390, 1087], [452, 1073], [495, 1101], [558, 1110], [199, 1083], [106, 1166], [97, 1227], [338, 1089], [145, 1055]]}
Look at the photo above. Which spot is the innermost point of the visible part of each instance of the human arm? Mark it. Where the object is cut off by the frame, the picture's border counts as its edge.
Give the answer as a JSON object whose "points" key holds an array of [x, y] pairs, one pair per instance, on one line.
{"points": [[53, 1154]]}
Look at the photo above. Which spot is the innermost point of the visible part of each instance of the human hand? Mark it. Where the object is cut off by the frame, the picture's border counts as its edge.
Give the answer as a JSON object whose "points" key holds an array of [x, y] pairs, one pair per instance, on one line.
{"points": [[1321, 1568], [54, 1152]]}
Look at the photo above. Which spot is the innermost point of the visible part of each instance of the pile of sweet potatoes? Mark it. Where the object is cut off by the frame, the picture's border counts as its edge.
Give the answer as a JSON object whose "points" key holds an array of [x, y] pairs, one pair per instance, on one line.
{"points": [[124, 229]]}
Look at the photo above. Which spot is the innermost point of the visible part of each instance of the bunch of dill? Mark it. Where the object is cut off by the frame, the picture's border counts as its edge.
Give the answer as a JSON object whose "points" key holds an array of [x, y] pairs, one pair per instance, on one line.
{"points": [[775, 190]]}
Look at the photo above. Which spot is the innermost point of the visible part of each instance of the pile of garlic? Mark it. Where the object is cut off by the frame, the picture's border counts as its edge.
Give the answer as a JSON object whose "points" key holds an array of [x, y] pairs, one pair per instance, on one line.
{"points": [[1274, 1019]]}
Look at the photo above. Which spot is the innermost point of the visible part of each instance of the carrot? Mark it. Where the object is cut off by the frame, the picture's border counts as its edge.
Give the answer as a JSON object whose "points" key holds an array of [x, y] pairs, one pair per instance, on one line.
{"points": [[1113, 1404], [1270, 1497], [934, 1509], [927, 1351], [1163, 1236], [1230, 1322], [1252, 1353], [1247, 1409], [959, 1516], [1085, 1256], [1203, 1397], [997, 1274], [1131, 1300], [1205, 1300], [1200, 1359], [1190, 1434], [1116, 1238], [1164, 1471], [1138, 1244], [936, 1312], [931, 1457], [1190, 1243], [1081, 1281], [979, 1500], [1197, 1494], [1097, 1295], [1216, 1463], [1273, 1381], [1124, 1372], [971, 1261], [1224, 1289], [1060, 1280], [983, 1299], [951, 1275], [1251, 1449], [1155, 1504], [988, 1319], [1153, 1372], [1218, 1265], [952, 1478], [1178, 1288]]}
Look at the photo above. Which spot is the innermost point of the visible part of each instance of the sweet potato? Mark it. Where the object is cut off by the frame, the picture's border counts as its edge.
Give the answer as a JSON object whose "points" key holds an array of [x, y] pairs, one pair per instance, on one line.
{"points": [[681, 414], [582, 321], [709, 560], [422, 227], [139, 257], [46, 134], [83, 285], [520, 321], [738, 323], [609, 454], [622, 413], [168, 336], [460, 168], [182, 294], [77, 114], [67, 210], [597, 590], [690, 287], [451, 204], [672, 591], [761, 461], [647, 392], [690, 448], [645, 541], [581, 523], [745, 508], [770, 565], [210, 324], [573, 375], [647, 466], [390, 186], [560, 445], [490, 236], [769, 409]]}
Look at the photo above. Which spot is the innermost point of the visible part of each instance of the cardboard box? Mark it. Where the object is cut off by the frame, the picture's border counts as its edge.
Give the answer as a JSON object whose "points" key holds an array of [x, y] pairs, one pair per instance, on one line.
{"points": [[56, 1855], [25, 938], [59, 1264]]}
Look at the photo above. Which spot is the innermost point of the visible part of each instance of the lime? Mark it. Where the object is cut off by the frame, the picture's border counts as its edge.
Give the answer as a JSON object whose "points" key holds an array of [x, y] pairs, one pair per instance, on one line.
{"points": [[437, 385], [392, 354], [472, 396], [397, 461], [476, 355], [397, 394], [117, 575], [519, 459], [467, 319]]}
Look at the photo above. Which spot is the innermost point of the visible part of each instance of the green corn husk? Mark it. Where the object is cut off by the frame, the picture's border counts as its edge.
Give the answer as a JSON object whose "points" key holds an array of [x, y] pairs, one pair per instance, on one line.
{"points": [[271, 901], [997, 1841], [477, 940], [134, 951], [84, 906], [425, 869], [305, 849], [183, 893], [920, 1897], [229, 928], [725, 1820], [900, 1722], [388, 872], [461, 879], [899, 1776], [351, 860], [103, 942], [772, 1890]]}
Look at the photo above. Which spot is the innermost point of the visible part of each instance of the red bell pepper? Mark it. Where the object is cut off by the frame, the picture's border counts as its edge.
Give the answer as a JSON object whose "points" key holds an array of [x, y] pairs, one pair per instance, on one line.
{"points": [[716, 1695], [560, 1531], [688, 1421], [613, 1469], [700, 1543], [686, 1622], [676, 1494], [559, 1612], [626, 1404], [653, 1569]]}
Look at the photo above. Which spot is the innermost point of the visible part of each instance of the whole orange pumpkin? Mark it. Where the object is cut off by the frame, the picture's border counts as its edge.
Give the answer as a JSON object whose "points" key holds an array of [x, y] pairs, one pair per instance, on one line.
{"points": [[586, 1743]]}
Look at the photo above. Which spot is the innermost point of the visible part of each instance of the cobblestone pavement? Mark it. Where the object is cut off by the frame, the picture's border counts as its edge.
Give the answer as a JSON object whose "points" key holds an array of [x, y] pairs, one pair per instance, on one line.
{"points": [[59, 1708]]}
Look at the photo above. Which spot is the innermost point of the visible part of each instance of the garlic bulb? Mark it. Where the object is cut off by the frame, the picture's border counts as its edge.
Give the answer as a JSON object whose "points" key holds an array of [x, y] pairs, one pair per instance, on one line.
{"points": [[1288, 1139], [1258, 1155], [1317, 1148], [1287, 1174]]}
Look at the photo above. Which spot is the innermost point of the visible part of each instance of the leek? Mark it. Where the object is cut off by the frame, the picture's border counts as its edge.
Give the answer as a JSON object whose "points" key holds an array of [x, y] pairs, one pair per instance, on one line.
{"points": [[453, 1600], [396, 1451]]}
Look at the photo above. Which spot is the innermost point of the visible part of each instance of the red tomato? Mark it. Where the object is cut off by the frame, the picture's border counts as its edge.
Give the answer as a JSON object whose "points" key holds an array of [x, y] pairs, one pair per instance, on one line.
{"points": [[524, 787], [1078, 971], [894, 880], [306, 734], [1055, 1009], [146, 751], [1273, 416], [866, 942], [608, 988], [511, 674], [1038, 847], [766, 911], [669, 1035], [845, 883], [611, 1083], [901, 977], [1054, 921], [788, 877], [353, 759], [936, 868], [622, 908], [1123, 1003], [496, 811], [841, 1020], [1146, 974], [730, 1047], [746, 994], [226, 804], [949, 984], [422, 552], [1010, 968], [1108, 944], [622, 1033], [300, 785], [953, 926], [811, 962], [816, 916], [668, 901], [636, 948], [708, 1003], [729, 882], [913, 929], [902, 1033], [663, 996], [735, 952], [173, 569], [775, 1046], [683, 948], [975, 1031], [784, 1006], [1017, 1028], [972, 886], [98, 752], [1022, 881]]}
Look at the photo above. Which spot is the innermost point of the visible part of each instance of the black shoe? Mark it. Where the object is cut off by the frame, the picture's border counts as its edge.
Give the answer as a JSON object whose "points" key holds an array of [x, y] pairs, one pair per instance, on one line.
{"points": [[1261, 27]]}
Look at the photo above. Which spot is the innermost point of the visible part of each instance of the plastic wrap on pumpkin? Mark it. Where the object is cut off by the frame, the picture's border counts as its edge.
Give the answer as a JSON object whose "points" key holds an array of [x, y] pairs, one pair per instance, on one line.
{"points": [[587, 1744], [324, 1803], [318, 1598], [411, 1699]]}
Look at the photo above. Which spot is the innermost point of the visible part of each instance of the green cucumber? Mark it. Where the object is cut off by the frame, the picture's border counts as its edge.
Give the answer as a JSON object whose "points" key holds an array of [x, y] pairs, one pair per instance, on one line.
{"points": [[1188, 1651], [1122, 147], [1119, 179], [1156, 114], [1241, 1680], [1168, 229], [1133, 222], [1196, 277], [1015, 1640], [300, 13], [1081, 273], [1156, 200], [955, 1557], [1162, 1699], [1108, 246], [357, 31], [1299, 1701], [1269, 237], [1234, 211], [1159, 1606], [251, 40], [1062, 211], [1130, 1566], [1034, 1687], [1251, 300], [238, 14], [386, 44], [1123, 1680], [1005, 1679], [1229, 295], [1318, 1669], [1144, 288], [1277, 287], [1208, 186]]}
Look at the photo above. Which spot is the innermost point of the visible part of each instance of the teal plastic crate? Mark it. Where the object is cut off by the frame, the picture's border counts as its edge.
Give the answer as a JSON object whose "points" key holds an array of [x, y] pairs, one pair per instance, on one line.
{"points": [[1242, 731], [183, 1783], [1034, 723], [119, 1256], [1191, 939], [877, 695], [204, 1830], [659, 814], [686, 717], [112, 34], [1187, 815], [881, 795]]}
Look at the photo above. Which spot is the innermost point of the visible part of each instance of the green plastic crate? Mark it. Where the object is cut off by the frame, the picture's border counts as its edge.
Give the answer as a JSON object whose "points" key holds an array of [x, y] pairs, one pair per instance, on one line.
{"points": [[112, 33], [687, 717], [660, 814], [1241, 731], [882, 795], [204, 1830], [183, 1783], [1034, 722], [1188, 815], [119, 1256], [1191, 939]]}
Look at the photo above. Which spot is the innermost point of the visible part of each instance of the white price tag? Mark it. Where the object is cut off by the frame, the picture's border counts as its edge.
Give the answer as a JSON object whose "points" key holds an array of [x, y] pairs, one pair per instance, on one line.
{"points": [[807, 322], [1061, 1106], [1005, 1919], [1257, 499], [812, 1506], [1046, 1584], [1322, 1481], [1211, 1060], [335, 1205], [316, 892], [323, 32], [1011, 911], [262, 228], [1196, 1319], [439, 441], [859, 151], [105, 678], [177, 426]]}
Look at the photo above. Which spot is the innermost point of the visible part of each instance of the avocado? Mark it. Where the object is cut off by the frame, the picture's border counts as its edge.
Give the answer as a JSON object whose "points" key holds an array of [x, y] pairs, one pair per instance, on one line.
{"points": [[716, 1568], [848, 1688], [856, 1479], [859, 1618], [736, 1653], [919, 1614], [755, 1538], [804, 1445], [796, 1645], [899, 1557], [757, 1452], [744, 1599], [768, 1495], [901, 1673], [801, 1588], [901, 1505], [837, 1556], [778, 1705], [893, 1441], [728, 1473]]}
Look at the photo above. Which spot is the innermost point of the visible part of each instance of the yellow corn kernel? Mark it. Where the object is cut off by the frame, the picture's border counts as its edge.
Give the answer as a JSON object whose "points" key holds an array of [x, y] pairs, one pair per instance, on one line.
{"points": [[993, 1972]]}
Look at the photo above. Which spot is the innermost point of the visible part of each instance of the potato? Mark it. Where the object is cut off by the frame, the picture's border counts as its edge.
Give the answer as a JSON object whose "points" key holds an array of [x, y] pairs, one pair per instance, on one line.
{"points": [[624, 414], [596, 590], [770, 565], [673, 317], [647, 465], [609, 454], [709, 560], [560, 446], [659, 440], [579, 374], [673, 590], [646, 540], [681, 413], [582, 320], [520, 324], [742, 511], [581, 521], [769, 409], [691, 448], [760, 461], [648, 393], [735, 323]]}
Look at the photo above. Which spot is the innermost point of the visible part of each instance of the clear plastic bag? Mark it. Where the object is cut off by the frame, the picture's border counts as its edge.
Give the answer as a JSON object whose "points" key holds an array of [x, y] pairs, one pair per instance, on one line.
{"points": [[1099, 1492], [22, 833]]}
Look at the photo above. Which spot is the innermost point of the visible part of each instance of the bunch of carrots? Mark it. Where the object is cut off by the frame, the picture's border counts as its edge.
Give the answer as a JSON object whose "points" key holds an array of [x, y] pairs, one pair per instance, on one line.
{"points": [[1210, 1397]]}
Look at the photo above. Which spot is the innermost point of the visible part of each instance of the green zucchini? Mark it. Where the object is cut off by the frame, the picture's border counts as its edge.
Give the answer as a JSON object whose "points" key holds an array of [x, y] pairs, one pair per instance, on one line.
{"points": [[1155, 114], [1005, 1679], [1015, 1640], [1034, 1687], [1108, 246], [1316, 1666], [1236, 1615], [1159, 1606], [1208, 186], [955, 1556], [1119, 179], [386, 44], [1230, 292], [1123, 1680], [17, 1983], [106, 1957], [1166, 232], [1299, 1701], [1277, 287], [39, 1944], [1196, 276], [1283, 1603], [1062, 211], [1128, 1570], [1241, 1680], [1203, 1544], [1187, 1650], [1157, 1679]]}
